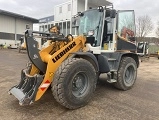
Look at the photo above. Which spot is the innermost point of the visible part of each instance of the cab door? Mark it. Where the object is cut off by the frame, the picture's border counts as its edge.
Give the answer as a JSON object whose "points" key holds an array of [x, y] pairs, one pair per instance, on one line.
{"points": [[126, 31]]}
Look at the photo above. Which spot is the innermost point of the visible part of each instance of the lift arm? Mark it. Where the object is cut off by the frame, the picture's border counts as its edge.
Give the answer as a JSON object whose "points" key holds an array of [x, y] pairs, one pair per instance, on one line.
{"points": [[38, 75]]}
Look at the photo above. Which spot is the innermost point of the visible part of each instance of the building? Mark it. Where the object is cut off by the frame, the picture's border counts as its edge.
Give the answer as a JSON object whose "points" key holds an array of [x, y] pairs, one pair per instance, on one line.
{"points": [[46, 19], [13, 26], [65, 11], [44, 23]]}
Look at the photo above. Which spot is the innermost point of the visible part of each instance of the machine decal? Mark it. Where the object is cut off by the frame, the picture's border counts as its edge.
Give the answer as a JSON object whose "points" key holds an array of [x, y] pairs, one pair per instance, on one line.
{"points": [[56, 58], [51, 74], [45, 85]]}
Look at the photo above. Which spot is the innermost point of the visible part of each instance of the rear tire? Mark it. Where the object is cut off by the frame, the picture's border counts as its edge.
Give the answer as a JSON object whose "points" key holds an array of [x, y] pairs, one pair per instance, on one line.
{"points": [[74, 83], [127, 74]]}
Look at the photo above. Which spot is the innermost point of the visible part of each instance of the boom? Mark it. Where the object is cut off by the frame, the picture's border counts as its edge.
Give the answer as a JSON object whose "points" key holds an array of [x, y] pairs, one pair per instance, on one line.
{"points": [[39, 74]]}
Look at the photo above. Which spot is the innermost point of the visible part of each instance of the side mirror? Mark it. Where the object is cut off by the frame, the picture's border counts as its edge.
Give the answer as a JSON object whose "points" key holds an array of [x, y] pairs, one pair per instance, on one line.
{"points": [[80, 14], [112, 13]]}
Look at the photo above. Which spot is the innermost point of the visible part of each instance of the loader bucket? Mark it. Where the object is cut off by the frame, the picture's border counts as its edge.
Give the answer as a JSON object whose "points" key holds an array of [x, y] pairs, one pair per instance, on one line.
{"points": [[26, 90]]}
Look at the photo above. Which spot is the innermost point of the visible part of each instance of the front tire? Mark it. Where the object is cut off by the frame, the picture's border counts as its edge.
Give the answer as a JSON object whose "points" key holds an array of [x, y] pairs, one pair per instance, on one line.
{"points": [[74, 83], [127, 74]]}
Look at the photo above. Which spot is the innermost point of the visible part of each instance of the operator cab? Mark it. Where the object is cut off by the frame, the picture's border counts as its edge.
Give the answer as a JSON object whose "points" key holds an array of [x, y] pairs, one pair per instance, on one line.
{"points": [[107, 30]]}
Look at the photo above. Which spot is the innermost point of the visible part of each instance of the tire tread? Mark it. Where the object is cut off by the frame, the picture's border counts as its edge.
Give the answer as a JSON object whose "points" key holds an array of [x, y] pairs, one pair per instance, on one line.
{"points": [[57, 84]]}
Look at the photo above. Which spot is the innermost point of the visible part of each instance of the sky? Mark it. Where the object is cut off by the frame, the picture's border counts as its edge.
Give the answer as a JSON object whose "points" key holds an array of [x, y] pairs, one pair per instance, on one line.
{"points": [[43, 8], [142, 7], [32, 8]]}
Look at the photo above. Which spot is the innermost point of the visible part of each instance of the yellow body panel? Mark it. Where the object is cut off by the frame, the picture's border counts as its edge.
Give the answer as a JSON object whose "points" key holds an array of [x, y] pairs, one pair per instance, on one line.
{"points": [[54, 58], [34, 70], [23, 45]]}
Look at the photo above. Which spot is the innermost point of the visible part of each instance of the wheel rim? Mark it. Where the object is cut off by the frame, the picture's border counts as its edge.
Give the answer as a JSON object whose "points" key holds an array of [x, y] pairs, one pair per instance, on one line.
{"points": [[129, 75], [80, 84]]}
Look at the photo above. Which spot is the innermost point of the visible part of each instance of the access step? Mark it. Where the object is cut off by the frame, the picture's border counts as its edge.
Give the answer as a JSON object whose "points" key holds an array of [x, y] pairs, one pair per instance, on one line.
{"points": [[111, 81], [112, 59]]}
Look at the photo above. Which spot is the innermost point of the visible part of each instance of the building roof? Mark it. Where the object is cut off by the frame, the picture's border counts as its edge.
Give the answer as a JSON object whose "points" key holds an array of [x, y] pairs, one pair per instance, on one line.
{"points": [[3, 12], [100, 2], [46, 19]]}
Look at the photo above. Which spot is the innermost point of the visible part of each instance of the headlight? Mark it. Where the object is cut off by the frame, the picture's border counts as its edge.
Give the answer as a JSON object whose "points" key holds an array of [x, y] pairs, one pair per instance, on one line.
{"points": [[90, 33]]}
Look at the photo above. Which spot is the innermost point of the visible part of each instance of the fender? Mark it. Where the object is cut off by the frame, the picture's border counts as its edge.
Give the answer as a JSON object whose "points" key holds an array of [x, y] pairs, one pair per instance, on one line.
{"points": [[88, 56], [134, 56], [103, 64], [118, 56]]}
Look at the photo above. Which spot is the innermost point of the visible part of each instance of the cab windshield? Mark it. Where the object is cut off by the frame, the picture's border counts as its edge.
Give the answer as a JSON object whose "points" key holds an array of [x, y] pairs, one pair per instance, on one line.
{"points": [[91, 21]]}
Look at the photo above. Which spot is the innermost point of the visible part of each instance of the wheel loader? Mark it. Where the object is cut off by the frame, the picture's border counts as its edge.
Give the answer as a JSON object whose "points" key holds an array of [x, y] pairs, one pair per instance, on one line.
{"points": [[72, 65], [22, 45], [143, 50]]}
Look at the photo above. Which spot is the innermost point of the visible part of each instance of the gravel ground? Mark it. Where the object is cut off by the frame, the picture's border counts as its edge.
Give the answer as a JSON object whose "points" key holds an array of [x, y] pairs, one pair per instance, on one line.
{"points": [[108, 103]]}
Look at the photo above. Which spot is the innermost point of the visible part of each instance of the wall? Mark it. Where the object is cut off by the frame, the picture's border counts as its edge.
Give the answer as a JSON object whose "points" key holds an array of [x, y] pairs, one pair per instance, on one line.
{"points": [[21, 25], [81, 6], [92, 5], [153, 48], [9, 26], [65, 13]]}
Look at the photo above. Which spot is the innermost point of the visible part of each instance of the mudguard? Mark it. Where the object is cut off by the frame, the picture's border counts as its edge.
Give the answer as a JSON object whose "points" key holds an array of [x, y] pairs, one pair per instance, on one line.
{"points": [[88, 56]]}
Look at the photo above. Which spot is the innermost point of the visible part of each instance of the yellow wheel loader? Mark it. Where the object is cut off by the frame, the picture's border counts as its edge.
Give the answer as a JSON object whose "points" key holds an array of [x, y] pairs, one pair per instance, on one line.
{"points": [[22, 45], [71, 66]]}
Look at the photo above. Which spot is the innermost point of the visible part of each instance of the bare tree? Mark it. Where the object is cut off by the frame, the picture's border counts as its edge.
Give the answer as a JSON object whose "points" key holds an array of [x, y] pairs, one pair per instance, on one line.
{"points": [[157, 30], [144, 26]]}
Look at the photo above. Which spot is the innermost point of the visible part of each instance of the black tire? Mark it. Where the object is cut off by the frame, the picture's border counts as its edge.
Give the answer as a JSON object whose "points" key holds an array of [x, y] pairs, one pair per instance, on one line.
{"points": [[127, 74], [74, 83]]}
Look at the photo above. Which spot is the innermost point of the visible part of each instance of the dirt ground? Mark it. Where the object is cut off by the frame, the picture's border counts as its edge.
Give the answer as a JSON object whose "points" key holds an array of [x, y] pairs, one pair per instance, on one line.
{"points": [[108, 103]]}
